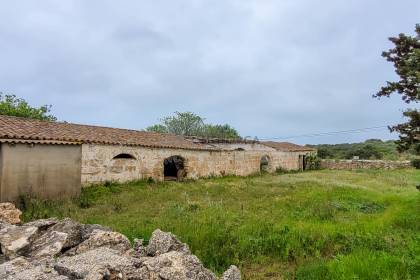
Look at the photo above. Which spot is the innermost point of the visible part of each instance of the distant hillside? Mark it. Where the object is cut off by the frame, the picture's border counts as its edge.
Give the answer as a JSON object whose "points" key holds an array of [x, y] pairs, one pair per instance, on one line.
{"points": [[370, 149]]}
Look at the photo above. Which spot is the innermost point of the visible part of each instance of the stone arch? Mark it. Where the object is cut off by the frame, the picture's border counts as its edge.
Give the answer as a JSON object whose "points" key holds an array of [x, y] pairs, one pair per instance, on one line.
{"points": [[124, 156], [265, 163], [123, 167], [174, 168]]}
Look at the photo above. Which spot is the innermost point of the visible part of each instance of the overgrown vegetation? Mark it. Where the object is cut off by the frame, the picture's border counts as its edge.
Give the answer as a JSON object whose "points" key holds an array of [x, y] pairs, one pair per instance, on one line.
{"points": [[416, 163], [190, 124], [10, 105], [370, 149], [312, 162], [306, 225]]}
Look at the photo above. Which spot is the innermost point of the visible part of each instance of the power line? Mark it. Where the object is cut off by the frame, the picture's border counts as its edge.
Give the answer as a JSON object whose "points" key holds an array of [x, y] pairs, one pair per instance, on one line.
{"points": [[357, 130]]}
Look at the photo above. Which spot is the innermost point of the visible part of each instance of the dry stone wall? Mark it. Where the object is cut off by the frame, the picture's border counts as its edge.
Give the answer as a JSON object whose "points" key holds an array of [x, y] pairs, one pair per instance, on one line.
{"points": [[98, 164], [363, 164]]}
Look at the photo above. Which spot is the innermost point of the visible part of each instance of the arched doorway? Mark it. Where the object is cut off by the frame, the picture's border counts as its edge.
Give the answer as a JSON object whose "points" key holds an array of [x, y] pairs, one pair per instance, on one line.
{"points": [[264, 163], [174, 168]]}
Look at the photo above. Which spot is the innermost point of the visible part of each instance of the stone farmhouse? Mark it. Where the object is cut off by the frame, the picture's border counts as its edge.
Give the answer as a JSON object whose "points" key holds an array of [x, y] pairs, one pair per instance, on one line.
{"points": [[55, 159]]}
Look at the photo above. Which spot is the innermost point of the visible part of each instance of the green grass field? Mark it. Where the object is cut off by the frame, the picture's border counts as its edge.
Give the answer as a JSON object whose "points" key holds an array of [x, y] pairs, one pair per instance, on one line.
{"points": [[311, 225]]}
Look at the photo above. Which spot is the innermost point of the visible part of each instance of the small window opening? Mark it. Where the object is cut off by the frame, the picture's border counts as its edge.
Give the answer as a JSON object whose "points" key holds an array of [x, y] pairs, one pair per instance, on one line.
{"points": [[264, 163], [173, 168], [239, 149], [124, 156]]}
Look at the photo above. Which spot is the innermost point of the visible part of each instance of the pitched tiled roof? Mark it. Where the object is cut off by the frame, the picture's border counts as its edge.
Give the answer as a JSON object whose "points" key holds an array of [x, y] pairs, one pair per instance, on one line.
{"points": [[19, 129], [288, 147]]}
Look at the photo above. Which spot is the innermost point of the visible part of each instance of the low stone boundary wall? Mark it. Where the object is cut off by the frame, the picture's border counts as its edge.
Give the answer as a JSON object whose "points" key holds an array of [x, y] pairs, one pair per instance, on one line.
{"points": [[363, 164]]}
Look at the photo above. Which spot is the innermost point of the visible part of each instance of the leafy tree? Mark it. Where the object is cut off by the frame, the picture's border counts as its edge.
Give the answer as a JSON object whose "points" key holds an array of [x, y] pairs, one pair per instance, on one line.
{"points": [[190, 124], [324, 153], [157, 128], [406, 59], [11, 105], [183, 123], [409, 131], [219, 131]]}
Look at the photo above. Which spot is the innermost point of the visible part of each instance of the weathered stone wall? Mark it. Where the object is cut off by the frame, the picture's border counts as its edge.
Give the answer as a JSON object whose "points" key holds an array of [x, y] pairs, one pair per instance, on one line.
{"points": [[363, 164], [98, 164], [46, 171]]}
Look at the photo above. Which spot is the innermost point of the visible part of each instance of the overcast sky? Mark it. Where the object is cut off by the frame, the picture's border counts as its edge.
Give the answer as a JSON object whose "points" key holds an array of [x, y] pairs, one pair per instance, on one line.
{"points": [[269, 68]]}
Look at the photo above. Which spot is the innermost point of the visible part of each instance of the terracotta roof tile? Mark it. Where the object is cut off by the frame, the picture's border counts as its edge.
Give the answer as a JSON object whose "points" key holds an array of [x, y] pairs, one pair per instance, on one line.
{"points": [[287, 147], [28, 129]]}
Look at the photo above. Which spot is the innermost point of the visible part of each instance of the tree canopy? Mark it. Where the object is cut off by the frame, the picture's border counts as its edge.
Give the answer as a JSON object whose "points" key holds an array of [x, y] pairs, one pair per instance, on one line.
{"points": [[11, 105], [190, 124], [406, 59]]}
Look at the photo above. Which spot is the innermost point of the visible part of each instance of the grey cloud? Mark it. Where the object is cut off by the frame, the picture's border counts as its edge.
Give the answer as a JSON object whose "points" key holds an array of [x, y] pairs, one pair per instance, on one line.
{"points": [[269, 68]]}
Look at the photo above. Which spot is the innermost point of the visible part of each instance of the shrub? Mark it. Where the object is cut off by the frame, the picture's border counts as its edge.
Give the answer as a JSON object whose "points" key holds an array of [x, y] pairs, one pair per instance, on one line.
{"points": [[416, 163], [312, 162]]}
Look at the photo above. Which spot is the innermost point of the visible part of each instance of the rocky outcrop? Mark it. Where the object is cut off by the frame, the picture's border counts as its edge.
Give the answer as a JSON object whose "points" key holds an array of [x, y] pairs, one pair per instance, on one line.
{"points": [[64, 250], [232, 273], [14, 239], [9, 213], [99, 238], [164, 242]]}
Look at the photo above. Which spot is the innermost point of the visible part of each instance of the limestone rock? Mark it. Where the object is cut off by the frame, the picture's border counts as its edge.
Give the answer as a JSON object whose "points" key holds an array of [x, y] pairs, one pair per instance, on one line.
{"points": [[99, 238], [9, 213], [88, 229], [37, 273], [163, 242], [139, 248], [14, 266], [22, 269], [93, 264], [177, 266], [73, 230], [37, 250], [14, 239], [49, 244], [43, 224], [232, 273]]}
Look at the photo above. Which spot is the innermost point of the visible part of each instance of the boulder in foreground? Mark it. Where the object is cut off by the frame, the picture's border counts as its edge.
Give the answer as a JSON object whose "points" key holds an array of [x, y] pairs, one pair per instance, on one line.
{"points": [[63, 250]]}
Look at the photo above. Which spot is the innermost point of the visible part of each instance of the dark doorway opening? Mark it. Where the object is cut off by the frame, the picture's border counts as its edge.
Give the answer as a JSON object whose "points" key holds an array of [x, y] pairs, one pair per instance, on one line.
{"points": [[302, 162], [264, 163], [174, 168]]}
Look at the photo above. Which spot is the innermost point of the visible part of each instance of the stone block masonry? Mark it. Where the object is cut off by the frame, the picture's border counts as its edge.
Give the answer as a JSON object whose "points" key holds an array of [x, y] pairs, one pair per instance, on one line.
{"points": [[363, 164], [99, 163], [52, 160]]}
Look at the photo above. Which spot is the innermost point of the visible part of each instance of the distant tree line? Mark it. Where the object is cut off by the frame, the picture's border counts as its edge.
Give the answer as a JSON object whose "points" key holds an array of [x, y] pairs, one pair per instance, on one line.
{"points": [[370, 149], [190, 124]]}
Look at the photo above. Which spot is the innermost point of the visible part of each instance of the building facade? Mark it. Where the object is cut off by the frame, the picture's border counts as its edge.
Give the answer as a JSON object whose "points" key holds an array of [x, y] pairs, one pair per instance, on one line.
{"points": [[54, 160]]}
